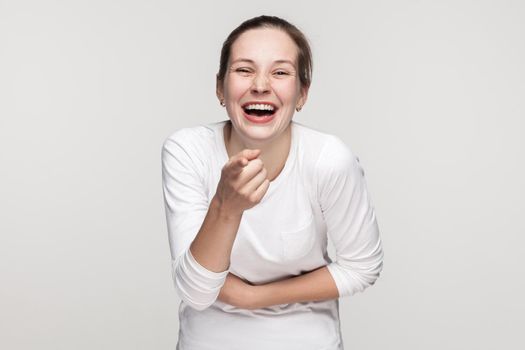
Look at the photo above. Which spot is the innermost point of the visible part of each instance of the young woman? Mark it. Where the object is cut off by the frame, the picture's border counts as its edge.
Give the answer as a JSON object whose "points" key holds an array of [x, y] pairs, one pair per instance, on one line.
{"points": [[250, 203]]}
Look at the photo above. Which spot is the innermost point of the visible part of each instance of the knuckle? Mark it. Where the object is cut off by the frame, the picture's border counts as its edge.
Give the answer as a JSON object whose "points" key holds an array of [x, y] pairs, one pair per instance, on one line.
{"points": [[254, 198], [234, 187], [243, 193]]}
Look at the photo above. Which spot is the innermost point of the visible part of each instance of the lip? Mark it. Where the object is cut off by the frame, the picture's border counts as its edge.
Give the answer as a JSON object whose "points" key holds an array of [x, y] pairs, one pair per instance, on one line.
{"points": [[259, 120], [262, 103]]}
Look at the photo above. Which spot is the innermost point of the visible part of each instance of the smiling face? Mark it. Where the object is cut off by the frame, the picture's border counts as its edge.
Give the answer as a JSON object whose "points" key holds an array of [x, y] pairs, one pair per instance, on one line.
{"points": [[261, 88]]}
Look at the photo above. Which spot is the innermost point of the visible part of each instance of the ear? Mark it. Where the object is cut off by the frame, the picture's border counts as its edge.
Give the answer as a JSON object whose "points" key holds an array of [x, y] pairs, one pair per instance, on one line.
{"points": [[218, 88], [303, 96]]}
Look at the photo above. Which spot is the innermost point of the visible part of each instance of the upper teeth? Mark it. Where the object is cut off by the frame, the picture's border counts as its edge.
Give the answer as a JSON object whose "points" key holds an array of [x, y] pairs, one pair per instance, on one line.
{"points": [[260, 106]]}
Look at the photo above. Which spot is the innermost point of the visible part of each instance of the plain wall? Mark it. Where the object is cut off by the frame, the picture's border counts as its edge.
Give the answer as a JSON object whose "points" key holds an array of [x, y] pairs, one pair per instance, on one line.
{"points": [[429, 95]]}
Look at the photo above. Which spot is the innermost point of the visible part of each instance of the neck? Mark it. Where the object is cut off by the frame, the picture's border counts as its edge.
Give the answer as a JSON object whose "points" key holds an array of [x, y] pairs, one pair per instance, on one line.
{"points": [[273, 154]]}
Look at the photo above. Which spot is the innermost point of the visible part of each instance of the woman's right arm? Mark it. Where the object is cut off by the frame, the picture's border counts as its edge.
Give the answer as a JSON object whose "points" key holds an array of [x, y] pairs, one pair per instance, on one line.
{"points": [[200, 272]]}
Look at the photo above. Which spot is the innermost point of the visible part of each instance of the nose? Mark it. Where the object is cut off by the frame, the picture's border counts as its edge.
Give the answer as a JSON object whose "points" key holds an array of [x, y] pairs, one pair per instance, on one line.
{"points": [[260, 84]]}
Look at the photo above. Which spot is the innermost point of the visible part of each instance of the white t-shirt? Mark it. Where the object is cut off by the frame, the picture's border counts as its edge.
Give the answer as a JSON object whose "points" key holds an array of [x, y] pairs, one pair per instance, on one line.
{"points": [[320, 192]]}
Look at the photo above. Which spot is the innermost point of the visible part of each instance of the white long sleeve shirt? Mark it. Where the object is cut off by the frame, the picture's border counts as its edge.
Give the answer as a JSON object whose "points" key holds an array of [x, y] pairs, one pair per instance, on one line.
{"points": [[320, 192]]}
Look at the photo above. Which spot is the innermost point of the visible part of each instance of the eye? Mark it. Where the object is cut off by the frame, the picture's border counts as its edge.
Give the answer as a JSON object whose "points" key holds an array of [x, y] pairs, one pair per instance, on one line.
{"points": [[281, 72], [243, 70]]}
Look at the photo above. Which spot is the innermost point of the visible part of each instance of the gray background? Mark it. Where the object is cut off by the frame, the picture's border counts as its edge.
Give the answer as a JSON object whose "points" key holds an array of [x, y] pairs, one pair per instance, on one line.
{"points": [[429, 95]]}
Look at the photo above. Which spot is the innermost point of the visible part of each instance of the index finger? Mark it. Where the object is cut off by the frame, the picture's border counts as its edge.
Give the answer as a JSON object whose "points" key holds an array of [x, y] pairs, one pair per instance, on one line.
{"points": [[241, 159], [238, 162]]}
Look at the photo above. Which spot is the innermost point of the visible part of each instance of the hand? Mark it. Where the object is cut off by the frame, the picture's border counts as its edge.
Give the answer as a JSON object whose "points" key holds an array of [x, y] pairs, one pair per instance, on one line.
{"points": [[238, 293], [243, 182]]}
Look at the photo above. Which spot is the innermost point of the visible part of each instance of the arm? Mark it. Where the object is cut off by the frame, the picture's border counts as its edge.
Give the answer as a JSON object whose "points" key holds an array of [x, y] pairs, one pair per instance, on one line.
{"points": [[350, 219], [213, 244], [197, 275], [202, 236], [315, 285]]}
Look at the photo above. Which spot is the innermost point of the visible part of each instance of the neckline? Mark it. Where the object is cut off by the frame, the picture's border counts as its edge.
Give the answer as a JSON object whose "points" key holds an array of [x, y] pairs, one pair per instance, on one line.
{"points": [[287, 165]]}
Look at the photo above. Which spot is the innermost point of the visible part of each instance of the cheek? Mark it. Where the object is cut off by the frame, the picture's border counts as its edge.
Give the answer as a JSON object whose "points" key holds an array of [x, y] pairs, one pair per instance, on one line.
{"points": [[287, 89], [236, 86]]}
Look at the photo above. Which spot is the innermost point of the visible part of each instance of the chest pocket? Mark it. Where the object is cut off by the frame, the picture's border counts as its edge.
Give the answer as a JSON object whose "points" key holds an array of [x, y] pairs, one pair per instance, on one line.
{"points": [[298, 242]]}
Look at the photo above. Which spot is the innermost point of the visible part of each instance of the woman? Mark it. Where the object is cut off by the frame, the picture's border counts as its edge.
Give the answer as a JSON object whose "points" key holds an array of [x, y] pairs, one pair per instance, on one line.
{"points": [[251, 201]]}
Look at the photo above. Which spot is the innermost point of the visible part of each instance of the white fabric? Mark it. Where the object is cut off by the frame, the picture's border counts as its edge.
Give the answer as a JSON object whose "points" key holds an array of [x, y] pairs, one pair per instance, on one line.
{"points": [[320, 192]]}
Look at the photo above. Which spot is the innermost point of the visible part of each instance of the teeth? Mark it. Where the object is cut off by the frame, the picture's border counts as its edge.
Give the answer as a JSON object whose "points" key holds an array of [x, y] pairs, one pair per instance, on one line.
{"points": [[260, 107]]}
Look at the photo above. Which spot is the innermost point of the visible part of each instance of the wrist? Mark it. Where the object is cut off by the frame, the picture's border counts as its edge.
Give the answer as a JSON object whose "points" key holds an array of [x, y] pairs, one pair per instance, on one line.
{"points": [[222, 211]]}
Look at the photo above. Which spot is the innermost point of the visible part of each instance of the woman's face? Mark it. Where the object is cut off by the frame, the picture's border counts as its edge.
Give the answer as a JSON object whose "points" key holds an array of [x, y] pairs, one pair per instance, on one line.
{"points": [[261, 88]]}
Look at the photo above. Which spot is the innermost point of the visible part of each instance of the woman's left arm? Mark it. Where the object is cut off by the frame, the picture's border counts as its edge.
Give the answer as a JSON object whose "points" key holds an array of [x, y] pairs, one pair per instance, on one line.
{"points": [[350, 219], [315, 285]]}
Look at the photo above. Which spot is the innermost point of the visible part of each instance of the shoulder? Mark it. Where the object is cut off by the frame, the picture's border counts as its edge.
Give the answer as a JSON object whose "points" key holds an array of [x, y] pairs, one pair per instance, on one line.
{"points": [[189, 136], [192, 144], [325, 152], [337, 166], [336, 155], [310, 143]]}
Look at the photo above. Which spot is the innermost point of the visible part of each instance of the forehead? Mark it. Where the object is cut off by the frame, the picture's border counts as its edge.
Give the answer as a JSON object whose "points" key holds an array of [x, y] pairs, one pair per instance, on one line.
{"points": [[264, 44]]}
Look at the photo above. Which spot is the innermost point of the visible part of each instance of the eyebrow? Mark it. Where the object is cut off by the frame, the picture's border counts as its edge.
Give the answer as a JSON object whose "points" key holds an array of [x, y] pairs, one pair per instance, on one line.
{"points": [[251, 61]]}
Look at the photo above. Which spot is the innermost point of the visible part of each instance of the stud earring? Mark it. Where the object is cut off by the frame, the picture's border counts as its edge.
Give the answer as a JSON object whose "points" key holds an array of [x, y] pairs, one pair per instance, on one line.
{"points": [[222, 103]]}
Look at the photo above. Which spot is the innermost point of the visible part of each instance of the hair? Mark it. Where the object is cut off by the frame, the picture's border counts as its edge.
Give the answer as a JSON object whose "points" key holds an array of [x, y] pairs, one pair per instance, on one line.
{"points": [[304, 57]]}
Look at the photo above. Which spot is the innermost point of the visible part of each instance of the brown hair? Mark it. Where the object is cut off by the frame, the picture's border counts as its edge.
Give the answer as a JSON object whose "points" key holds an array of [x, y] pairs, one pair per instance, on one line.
{"points": [[304, 59]]}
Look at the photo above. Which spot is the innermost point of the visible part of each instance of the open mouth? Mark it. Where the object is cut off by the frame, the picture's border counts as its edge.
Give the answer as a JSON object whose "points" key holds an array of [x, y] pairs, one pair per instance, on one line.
{"points": [[259, 110]]}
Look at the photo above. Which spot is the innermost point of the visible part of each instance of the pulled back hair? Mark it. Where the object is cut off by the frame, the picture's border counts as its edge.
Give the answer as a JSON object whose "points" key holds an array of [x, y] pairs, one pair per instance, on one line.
{"points": [[304, 57]]}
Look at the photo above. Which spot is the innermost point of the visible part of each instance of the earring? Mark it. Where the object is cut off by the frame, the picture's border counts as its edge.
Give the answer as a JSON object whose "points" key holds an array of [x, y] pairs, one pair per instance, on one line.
{"points": [[222, 103]]}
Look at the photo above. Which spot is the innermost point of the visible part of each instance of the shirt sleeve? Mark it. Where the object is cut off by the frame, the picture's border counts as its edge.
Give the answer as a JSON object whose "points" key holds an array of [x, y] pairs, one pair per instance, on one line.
{"points": [[186, 205], [350, 218]]}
